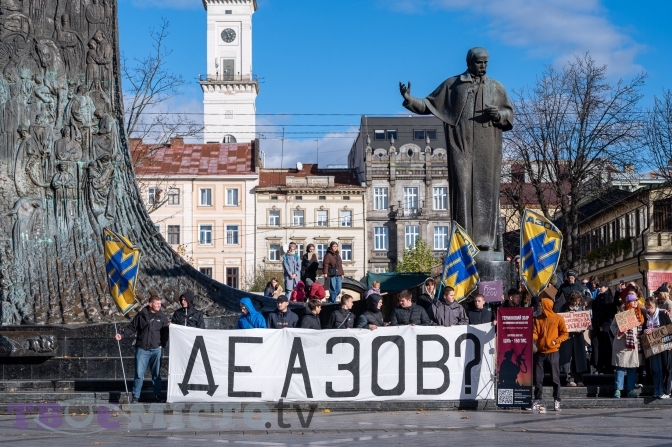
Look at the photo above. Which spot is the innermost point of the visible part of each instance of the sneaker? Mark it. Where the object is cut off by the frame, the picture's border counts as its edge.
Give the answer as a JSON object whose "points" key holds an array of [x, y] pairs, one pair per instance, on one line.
{"points": [[571, 383], [556, 405], [665, 396], [617, 394], [160, 400], [538, 408], [632, 393], [134, 400], [638, 385]]}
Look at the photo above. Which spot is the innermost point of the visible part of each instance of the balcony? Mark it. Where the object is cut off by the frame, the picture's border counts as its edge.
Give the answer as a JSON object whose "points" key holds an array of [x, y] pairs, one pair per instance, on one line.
{"points": [[628, 248], [221, 77]]}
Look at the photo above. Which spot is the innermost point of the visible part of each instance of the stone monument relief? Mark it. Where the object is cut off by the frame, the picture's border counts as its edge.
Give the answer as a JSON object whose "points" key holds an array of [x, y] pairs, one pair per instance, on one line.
{"points": [[65, 169]]}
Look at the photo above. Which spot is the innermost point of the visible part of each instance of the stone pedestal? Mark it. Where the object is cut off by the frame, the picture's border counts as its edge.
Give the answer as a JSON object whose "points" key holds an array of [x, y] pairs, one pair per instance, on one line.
{"points": [[492, 267]]}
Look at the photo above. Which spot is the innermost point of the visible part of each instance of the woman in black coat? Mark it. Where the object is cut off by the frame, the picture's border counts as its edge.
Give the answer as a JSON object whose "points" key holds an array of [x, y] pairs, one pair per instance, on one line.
{"points": [[309, 264], [573, 350], [659, 364]]}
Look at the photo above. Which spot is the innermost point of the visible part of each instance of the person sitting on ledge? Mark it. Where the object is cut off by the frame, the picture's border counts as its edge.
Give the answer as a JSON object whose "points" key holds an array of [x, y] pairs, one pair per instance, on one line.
{"points": [[342, 318], [372, 318], [282, 317], [150, 327], [311, 320], [407, 313], [251, 318]]}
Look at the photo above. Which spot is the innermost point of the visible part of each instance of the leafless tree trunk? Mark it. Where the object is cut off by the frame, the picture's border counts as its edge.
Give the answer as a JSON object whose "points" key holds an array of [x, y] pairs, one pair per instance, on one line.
{"points": [[573, 127]]}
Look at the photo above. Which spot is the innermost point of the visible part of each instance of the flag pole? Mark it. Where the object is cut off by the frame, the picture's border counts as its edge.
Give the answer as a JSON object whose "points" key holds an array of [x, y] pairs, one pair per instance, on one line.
{"points": [[121, 359]]}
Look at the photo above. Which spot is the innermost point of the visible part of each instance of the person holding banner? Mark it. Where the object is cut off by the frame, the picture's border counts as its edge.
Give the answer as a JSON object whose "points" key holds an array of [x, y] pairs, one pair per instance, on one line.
{"points": [[282, 317], [446, 311], [659, 364], [342, 318], [311, 320], [188, 315], [548, 331], [573, 351], [373, 318], [479, 314], [625, 351], [151, 328], [407, 313], [250, 318]]}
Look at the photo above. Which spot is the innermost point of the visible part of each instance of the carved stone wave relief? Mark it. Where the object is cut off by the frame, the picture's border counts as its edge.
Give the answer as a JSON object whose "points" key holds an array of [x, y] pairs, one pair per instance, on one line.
{"points": [[65, 169]]}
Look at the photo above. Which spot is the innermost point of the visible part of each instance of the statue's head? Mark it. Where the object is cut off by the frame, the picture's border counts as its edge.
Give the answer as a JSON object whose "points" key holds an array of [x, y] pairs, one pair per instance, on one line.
{"points": [[81, 89], [99, 36], [62, 167], [477, 61], [65, 20]]}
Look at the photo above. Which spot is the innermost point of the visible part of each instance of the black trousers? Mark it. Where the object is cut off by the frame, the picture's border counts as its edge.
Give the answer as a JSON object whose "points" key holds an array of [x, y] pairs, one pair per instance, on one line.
{"points": [[553, 361], [601, 342]]}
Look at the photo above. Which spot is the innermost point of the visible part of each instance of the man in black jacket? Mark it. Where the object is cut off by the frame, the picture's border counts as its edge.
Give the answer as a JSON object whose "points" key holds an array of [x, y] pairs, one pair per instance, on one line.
{"points": [[151, 328], [604, 311], [478, 314], [188, 316], [408, 313], [566, 289], [311, 320], [282, 317], [342, 318]]}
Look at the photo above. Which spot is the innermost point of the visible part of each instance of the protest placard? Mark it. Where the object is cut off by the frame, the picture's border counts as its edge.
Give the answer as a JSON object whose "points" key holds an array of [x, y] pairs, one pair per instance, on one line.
{"points": [[659, 340], [514, 357], [576, 321], [626, 320], [491, 290]]}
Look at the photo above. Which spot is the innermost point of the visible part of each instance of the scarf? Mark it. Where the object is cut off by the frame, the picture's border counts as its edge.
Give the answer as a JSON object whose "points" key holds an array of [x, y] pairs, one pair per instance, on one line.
{"points": [[632, 336]]}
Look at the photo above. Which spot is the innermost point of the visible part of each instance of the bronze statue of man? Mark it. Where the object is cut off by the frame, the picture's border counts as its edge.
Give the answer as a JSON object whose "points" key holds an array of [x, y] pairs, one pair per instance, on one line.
{"points": [[475, 110]]}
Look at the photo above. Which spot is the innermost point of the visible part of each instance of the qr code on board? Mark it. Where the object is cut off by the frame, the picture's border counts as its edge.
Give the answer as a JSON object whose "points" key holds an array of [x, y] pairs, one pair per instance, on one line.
{"points": [[505, 397]]}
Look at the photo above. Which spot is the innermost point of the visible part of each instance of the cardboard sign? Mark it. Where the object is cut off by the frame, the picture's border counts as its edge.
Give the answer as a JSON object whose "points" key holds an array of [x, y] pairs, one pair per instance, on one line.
{"points": [[659, 340], [626, 320], [549, 292], [491, 290], [576, 321]]}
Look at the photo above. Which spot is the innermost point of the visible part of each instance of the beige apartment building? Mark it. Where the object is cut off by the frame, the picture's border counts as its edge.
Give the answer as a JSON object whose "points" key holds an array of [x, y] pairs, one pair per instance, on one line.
{"points": [[201, 200], [311, 205]]}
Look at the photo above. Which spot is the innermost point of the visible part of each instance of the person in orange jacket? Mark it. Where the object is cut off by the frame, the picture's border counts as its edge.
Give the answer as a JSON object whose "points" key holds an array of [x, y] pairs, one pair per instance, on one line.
{"points": [[549, 331]]}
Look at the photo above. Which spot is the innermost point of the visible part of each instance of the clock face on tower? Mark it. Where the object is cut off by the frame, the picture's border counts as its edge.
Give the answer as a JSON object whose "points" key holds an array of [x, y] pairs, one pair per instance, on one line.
{"points": [[228, 35]]}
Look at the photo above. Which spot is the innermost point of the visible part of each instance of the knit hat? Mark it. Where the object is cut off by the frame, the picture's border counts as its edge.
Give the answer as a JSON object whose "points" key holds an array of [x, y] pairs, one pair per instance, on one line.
{"points": [[309, 282], [662, 288], [631, 297]]}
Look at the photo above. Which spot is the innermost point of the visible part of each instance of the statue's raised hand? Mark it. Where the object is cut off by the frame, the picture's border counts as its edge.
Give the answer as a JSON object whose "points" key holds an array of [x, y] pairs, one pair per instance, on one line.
{"points": [[405, 90]]}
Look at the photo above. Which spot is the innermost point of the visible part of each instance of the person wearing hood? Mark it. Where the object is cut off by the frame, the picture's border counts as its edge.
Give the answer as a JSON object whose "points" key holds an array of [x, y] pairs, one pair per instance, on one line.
{"points": [[446, 311], [332, 268], [478, 314], [150, 327], [315, 290], [282, 317], [625, 349], [298, 295], [311, 320], [569, 286], [250, 318], [427, 298], [548, 331], [372, 318], [188, 315], [604, 311]]}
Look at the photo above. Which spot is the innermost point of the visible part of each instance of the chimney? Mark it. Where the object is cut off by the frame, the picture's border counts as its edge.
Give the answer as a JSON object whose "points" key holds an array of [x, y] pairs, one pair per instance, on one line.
{"points": [[628, 168], [177, 142]]}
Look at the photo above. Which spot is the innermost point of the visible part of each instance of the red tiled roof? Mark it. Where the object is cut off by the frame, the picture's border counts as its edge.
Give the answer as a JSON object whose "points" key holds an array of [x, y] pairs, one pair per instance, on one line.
{"points": [[269, 178], [192, 159]]}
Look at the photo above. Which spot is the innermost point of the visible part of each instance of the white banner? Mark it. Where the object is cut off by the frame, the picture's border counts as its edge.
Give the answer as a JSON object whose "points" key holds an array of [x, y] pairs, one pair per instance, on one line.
{"points": [[391, 363]]}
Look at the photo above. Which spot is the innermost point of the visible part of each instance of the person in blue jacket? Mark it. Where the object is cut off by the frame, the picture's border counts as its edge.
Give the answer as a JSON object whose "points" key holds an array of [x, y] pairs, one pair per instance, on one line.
{"points": [[251, 318]]}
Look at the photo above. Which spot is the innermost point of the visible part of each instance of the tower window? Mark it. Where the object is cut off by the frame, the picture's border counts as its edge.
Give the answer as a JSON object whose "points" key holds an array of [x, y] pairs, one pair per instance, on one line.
{"points": [[228, 11], [229, 139]]}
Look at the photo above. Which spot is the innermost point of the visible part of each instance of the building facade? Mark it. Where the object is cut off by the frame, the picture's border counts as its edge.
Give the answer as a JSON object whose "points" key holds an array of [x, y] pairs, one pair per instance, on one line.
{"points": [[310, 205], [402, 161], [201, 198], [229, 87]]}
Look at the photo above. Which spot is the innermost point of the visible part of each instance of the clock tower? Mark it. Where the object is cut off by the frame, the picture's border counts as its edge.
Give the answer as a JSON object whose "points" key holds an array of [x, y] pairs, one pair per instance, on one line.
{"points": [[229, 87]]}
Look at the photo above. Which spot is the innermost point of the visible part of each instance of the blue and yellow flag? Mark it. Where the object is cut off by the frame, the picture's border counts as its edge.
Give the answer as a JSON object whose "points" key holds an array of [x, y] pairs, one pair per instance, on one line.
{"points": [[459, 269], [122, 261], [540, 245]]}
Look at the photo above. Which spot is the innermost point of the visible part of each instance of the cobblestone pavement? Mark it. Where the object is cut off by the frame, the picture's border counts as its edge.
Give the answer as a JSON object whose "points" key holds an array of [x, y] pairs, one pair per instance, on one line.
{"points": [[573, 428]]}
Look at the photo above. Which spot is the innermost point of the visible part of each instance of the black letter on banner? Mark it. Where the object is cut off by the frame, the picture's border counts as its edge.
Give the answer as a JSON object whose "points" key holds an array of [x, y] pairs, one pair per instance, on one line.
{"points": [[353, 366], [375, 347], [475, 361], [199, 345], [297, 350], [440, 364], [240, 369]]}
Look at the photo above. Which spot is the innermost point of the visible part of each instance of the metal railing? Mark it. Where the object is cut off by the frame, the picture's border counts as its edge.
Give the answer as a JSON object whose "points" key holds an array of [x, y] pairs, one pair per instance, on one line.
{"points": [[218, 77]]}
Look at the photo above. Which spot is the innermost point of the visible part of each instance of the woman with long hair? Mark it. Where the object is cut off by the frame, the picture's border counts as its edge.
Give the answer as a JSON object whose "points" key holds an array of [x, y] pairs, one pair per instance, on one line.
{"points": [[309, 264], [626, 347]]}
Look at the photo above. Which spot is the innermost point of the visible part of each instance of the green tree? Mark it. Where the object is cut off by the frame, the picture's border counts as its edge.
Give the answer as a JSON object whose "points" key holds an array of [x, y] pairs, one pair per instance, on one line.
{"points": [[418, 258]]}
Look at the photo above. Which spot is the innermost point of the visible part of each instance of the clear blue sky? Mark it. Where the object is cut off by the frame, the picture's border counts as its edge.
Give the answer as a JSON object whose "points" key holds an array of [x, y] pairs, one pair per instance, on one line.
{"points": [[347, 57]]}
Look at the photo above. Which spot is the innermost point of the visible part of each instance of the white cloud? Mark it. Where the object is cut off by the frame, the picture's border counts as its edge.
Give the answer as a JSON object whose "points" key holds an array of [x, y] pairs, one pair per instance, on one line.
{"points": [[168, 4], [559, 28], [334, 148]]}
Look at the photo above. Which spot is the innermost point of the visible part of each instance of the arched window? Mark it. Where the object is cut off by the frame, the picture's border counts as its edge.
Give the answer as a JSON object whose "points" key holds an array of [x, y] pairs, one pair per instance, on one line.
{"points": [[229, 139]]}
